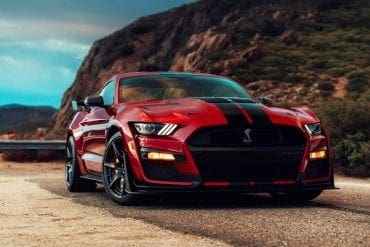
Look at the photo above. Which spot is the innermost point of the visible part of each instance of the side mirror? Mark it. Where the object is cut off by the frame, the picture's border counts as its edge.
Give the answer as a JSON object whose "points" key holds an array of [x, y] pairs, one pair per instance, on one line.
{"points": [[77, 105], [266, 101], [94, 100]]}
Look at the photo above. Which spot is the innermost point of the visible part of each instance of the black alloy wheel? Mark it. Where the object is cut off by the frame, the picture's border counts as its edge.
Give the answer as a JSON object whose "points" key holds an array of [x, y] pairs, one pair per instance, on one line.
{"points": [[115, 174], [72, 173]]}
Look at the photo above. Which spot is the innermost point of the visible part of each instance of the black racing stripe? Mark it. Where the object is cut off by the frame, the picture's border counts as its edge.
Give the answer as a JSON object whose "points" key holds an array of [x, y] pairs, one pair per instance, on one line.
{"points": [[256, 113], [232, 113]]}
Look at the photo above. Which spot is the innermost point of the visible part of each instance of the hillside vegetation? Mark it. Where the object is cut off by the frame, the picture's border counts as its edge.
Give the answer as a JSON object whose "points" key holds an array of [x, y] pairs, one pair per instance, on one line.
{"points": [[301, 52], [23, 119]]}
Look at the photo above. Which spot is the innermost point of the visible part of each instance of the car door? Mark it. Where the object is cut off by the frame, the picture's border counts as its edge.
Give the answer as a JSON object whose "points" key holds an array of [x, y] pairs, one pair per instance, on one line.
{"points": [[94, 126]]}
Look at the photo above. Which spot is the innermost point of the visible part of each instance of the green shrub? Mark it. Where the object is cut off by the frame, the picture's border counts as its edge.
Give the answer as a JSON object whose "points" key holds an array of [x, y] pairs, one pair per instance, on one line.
{"points": [[357, 83], [326, 86], [294, 78], [127, 49], [144, 25], [33, 155], [307, 26], [347, 122], [247, 29], [317, 64], [337, 72], [272, 27], [353, 154]]}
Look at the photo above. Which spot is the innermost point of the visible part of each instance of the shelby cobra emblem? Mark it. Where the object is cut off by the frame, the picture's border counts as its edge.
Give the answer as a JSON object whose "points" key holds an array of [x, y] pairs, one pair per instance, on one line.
{"points": [[247, 138]]}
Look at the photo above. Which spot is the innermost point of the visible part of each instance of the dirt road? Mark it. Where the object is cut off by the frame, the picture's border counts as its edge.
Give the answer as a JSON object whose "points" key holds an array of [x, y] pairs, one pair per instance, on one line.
{"points": [[36, 209]]}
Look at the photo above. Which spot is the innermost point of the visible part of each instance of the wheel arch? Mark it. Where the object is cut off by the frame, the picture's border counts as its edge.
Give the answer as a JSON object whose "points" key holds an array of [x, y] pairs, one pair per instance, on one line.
{"points": [[111, 131]]}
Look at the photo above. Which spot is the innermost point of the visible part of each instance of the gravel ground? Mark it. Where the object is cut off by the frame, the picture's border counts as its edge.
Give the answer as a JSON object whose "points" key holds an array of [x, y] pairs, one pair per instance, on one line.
{"points": [[336, 218], [32, 216]]}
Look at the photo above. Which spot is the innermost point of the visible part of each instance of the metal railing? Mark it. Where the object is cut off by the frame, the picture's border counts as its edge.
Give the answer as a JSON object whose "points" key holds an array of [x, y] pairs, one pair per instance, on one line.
{"points": [[33, 145]]}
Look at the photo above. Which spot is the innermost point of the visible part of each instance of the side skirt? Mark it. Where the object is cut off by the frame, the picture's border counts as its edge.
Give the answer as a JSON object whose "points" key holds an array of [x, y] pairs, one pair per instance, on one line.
{"points": [[93, 177]]}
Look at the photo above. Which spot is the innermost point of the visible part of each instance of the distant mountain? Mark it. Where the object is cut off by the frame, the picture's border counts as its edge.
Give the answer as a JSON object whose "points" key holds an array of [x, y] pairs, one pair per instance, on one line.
{"points": [[291, 50], [24, 119]]}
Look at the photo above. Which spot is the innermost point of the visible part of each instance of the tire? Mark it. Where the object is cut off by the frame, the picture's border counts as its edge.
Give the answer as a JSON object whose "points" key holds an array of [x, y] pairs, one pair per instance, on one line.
{"points": [[115, 173], [72, 173], [296, 196]]}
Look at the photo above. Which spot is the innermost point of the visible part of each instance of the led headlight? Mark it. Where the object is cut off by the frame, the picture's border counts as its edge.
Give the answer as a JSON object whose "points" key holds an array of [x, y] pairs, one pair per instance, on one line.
{"points": [[313, 129], [155, 129], [145, 128]]}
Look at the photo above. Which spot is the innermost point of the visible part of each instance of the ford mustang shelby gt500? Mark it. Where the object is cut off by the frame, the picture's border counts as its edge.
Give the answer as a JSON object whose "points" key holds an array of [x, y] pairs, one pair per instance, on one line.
{"points": [[173, 132]]}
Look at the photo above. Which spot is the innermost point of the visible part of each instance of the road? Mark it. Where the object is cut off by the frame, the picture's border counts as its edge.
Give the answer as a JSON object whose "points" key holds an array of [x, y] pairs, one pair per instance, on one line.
{"points": [[35, 209]]}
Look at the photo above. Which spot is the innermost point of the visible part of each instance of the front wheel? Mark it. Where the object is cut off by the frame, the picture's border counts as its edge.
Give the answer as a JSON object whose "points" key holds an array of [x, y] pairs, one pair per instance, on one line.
{"points": [[296, 196], [115, 173]]}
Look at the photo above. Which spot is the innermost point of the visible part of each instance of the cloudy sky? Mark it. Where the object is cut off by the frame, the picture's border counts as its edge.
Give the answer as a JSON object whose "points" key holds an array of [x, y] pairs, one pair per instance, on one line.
{"points": [[43, 42]]}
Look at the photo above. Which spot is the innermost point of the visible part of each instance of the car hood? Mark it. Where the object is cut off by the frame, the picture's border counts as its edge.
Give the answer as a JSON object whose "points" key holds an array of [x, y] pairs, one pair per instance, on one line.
{"points": [[216, 111]]}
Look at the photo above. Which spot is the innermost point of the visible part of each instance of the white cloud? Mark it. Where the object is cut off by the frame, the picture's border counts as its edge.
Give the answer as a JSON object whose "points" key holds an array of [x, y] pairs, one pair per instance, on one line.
{"points": [[31, 75], [4, 24], [66, 73], [8, 60], [78, 49], [17, 29]]}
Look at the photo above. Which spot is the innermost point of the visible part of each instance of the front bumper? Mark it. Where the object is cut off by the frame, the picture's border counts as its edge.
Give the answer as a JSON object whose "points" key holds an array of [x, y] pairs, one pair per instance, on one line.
{"points": [[241, 169]]}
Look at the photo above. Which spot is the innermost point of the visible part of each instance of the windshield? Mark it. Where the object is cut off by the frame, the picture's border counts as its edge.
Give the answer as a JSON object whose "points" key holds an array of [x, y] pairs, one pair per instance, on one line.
{"points": [[157, 87]]}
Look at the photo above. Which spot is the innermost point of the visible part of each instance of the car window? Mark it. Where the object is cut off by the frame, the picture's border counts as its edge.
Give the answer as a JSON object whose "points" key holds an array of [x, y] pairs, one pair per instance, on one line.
{"points": [[108, 93], [158, 87]]}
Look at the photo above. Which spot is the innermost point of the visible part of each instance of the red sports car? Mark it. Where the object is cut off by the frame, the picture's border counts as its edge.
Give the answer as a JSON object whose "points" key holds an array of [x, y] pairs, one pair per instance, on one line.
{"points": [[174, 132]]}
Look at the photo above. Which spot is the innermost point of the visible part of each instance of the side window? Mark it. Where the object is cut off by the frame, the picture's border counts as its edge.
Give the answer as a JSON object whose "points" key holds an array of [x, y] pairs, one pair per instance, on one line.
{"points": [[108, 93]]}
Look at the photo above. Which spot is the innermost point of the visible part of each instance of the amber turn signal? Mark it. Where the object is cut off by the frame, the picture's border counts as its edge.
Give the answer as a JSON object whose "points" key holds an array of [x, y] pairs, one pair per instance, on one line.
{"points": [[160, 156], [318, 154]]}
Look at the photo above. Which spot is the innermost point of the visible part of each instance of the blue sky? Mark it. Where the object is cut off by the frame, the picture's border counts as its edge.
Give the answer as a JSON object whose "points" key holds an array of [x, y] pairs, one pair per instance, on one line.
{"points": [[43, 42]]}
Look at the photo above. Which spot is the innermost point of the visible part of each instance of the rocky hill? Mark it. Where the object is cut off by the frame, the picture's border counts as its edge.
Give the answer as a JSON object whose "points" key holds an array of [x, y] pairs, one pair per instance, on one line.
{"points": [[292, 51], [23, 119]]}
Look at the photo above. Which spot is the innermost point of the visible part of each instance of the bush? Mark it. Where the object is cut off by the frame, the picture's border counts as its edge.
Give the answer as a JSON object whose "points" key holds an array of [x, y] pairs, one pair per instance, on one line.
{"points": [[353, 154], [326, 86], [357, 83], [127, 49], [144, 25], [317, 64], [308, 26], [336, 72], [33, 155], [272, 27], [347, 122]]}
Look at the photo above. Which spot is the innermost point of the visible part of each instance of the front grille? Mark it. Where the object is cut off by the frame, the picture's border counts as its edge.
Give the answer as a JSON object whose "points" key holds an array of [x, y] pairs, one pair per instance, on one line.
{"points": [[222, 154], [247, 165], [227, 136]]}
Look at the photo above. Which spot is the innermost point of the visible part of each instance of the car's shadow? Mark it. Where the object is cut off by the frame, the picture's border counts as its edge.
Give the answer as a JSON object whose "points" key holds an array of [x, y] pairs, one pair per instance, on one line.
{"points": [[99, 198]]}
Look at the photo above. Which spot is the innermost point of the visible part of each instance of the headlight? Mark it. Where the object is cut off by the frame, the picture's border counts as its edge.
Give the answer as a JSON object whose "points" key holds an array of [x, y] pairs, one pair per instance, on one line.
{"points": [[313, 129], [155, 129]]}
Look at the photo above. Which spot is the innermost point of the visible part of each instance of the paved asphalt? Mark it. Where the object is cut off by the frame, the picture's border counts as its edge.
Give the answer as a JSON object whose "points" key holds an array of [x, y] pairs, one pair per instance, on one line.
{"points": [[336, 218]]}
